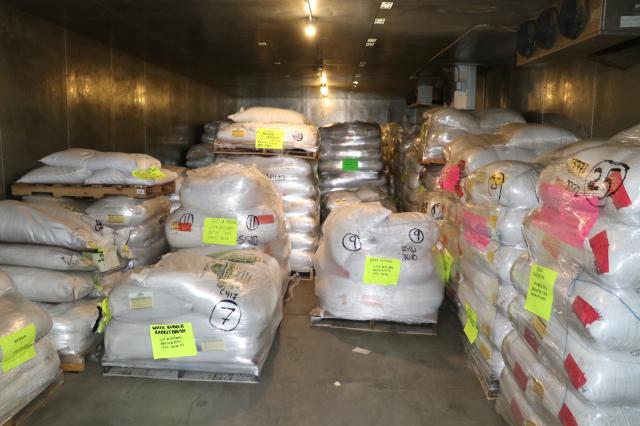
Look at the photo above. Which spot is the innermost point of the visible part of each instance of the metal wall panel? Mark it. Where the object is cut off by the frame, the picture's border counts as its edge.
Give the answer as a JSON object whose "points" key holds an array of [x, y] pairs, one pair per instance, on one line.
{"points": [[617, 100], [62, 90]]}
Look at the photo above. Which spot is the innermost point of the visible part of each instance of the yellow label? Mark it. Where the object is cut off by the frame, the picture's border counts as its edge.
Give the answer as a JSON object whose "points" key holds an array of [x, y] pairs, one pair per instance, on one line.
{"points": [[237, 133], [17, 347], [443, 265], [142, 300], [220, 231], [270, 139], [115, 218], [212, 345], [493, 220], [577, 167], [539, 326], [105, 314], [150, 173], [538, 388], [104, 259], [471, 327], [540, 294], [172, 340], [485, 351], [490, 256], [381, 271], [497, 179]]}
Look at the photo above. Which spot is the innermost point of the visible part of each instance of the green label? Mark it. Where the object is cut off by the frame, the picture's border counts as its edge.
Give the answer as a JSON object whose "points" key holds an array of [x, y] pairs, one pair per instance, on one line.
{"points": [[148, 174], [270, 139], [381, 271], [471, 327], [172, 340], [444, 261], [220, 231], [105, 314], [350, 165], [17, 347], [540, 294]]}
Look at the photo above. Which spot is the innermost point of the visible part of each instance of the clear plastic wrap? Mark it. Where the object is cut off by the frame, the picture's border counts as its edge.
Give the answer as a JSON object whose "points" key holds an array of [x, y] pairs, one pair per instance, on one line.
{"points": [[22, 384], [243, 135], [95, 160], [200, 155], [43, 285], [507, 183], [492, 118], [119, 212], [74, 325], [354, 233], [118, 177], [351, 131], [514, 407], [442, 126], [535, 137], [233, 302]]}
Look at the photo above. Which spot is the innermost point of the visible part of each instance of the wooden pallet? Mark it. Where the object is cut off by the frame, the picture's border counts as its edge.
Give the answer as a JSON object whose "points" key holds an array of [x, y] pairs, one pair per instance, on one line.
{"points": [[177, 374], [38, 402], [73, 363], [304, 275], [320, 320], [92, 191], [298, 153]]}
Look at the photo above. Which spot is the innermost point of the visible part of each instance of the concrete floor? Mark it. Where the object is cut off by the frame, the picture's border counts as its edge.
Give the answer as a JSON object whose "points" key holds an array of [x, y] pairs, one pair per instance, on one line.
{"points": [[405, 380]]}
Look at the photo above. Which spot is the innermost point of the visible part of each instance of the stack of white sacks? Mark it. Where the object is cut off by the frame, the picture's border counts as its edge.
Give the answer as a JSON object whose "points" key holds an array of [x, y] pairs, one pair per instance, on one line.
{"points": [[225, 304], [373, 264], [391, 136], [215, 313], [54, 255], [254, 126], [350, 157], [201, 155], [573, 356], [296, 181], [28, 360], [80, 166], [366, 194], [498, 197]]}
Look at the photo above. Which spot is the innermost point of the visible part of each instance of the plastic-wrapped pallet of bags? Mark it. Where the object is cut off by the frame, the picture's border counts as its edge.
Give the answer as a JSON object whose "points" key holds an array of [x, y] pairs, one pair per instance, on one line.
{"points": [[608, 318], [546, 389], [442, 126], [491, 119], [374, 264], [248, 134], [228, 307], [74, 325], [599, 376]]}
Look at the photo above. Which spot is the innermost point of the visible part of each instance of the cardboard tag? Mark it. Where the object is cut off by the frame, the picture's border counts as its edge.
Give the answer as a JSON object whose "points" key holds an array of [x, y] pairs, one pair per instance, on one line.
{"points": [[540, 294], [269, 138], [105, 260], [212, 345], [140, 300], [17, 347], [220, 231], [444, 262], [471, 327], [172, 340], [381, 271], [350, 165], [115, 218], [237, 133], [148, 174]]}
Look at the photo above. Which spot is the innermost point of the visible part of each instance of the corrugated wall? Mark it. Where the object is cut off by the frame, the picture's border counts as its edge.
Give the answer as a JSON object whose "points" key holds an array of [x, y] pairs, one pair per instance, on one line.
{"points": [[591, 99], [59, 90]]}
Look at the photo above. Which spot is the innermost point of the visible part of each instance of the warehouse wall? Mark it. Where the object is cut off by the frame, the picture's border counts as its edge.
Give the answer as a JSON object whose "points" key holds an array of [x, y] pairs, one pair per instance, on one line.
{"points": [[62, 90], [591, 99], [339, 107]]}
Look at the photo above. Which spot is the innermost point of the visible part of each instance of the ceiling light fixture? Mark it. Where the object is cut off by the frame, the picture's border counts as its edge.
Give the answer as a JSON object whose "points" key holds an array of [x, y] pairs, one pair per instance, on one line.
{"points": [[386, 5], [323, 78], [379, 21], [371, 42], [310, 28], [262, 43], [355, 83], [324, 90]]}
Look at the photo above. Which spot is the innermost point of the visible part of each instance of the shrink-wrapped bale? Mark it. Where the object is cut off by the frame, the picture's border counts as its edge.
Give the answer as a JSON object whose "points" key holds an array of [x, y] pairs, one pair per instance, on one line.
{"points": [[358, 235], [74, 325], [232, 303]]}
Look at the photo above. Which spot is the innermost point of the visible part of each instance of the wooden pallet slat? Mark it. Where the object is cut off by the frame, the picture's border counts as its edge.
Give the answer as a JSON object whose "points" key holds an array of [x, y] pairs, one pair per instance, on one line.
{"points": [[73, 363], [92, 191], [298, 153], [304, 275], [38, 402], [178, 374]]}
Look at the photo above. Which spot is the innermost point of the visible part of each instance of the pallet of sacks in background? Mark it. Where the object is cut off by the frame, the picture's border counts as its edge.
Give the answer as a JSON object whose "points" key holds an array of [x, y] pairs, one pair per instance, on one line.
{"points": [[375, 271], [65, 253], [572, 357], [210, 309], [284, 150]]}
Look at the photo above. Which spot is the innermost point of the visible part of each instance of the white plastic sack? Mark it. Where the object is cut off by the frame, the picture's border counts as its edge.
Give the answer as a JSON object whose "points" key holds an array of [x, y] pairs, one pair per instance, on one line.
{"points": [[243, 135], [351, 133], [43, 285], [95, 160], [51, 174], [74, 325], [508, 183], [491, 119], [149, 254], [118, 177], [46, 257], [118, 212], [535, 137], [268, 115], [514, 407]]}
